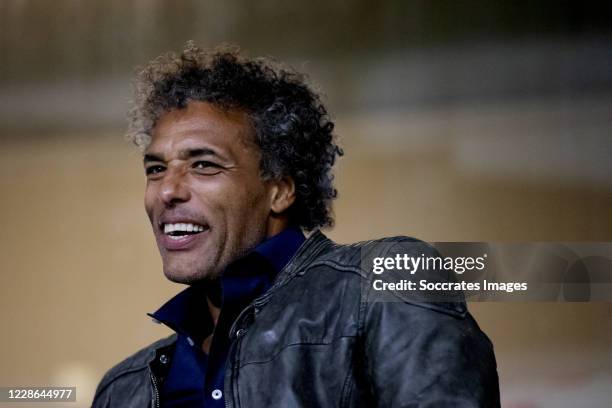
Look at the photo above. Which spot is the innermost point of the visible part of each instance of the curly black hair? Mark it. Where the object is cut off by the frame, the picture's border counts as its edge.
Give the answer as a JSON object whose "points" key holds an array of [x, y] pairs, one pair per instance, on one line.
{"points": [[292, 127]]}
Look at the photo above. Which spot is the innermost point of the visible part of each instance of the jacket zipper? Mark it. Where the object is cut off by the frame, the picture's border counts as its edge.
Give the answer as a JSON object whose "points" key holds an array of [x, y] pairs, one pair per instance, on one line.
{"points": [[231, 358], [156, 396], [257, 302]]}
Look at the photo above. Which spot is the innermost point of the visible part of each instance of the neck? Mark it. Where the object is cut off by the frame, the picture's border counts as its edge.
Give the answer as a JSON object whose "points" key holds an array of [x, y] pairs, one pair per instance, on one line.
{"points": [[276, 224]]}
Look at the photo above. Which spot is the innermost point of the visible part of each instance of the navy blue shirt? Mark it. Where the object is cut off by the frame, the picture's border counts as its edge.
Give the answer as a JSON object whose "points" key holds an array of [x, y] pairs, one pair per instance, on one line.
{"points": [[195, 379]]}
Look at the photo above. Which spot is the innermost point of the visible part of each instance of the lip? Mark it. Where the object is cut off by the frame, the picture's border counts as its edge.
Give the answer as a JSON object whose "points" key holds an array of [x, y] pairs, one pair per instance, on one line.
{"points": [[184, 243]]}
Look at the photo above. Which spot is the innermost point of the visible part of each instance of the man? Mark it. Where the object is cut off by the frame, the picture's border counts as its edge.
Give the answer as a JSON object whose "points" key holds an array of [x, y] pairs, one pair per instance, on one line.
{"points": [[238, 156]]}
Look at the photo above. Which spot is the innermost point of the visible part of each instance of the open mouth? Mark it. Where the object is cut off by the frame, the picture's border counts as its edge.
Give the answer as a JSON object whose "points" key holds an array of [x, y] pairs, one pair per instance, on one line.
{"points": [[181, 230]]}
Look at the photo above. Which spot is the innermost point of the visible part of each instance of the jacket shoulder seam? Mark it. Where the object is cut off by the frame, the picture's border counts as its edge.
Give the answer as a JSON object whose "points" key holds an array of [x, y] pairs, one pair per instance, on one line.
{"points": [[337, 265], [440, 308]]}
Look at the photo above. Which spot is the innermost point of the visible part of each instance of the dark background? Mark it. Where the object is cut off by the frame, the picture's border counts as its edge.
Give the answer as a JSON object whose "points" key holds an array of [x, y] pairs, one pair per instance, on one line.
{"points": [[461, 121]]}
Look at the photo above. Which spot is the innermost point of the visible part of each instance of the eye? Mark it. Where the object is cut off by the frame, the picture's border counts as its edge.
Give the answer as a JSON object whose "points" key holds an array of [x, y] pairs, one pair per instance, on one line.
{"points": [[206, 167], [155, 169]]}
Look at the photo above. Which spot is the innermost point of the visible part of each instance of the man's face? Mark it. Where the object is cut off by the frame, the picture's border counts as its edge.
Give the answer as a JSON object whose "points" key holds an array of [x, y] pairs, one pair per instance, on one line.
{"points": [[204, 196]]}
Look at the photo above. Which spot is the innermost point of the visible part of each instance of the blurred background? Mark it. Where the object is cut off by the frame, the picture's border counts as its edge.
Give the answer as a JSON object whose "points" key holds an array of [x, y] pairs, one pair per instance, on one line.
{"points": [[461, 121]]}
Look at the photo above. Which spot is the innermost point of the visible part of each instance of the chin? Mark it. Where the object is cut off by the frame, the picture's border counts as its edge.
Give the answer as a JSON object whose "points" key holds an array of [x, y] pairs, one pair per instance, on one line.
{"points": [[185, 278], [189, 275]]}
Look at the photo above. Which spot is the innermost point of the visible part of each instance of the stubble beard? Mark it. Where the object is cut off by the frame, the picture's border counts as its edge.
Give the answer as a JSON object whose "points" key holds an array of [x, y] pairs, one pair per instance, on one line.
{"points": [[201, 268]]}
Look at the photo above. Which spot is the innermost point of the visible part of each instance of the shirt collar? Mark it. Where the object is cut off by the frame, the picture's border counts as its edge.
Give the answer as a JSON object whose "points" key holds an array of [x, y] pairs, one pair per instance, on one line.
{"points": [[242, 281], [279, 249]]}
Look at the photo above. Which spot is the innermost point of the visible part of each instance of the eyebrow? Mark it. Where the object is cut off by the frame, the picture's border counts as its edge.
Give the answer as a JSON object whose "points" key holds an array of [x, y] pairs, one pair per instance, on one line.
{"points": [[183, 154]]}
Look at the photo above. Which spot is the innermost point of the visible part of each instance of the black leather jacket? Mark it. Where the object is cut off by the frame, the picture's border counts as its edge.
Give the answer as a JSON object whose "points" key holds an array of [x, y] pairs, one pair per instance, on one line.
{"points": [[312, 341]]}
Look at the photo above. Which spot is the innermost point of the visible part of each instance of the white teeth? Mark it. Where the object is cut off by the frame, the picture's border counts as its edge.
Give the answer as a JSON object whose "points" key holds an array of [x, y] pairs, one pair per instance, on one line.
{"points": [[168, 228]]}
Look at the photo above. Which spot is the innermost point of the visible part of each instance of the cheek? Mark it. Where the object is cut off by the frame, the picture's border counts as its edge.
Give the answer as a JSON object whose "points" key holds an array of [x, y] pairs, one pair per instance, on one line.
{"points": [[234, 202], [149, 201], [258, 207], [249, 204]]}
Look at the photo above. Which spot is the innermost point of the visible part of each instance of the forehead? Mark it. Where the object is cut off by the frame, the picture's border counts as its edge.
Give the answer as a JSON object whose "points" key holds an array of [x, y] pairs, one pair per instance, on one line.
{"points": [[201, 124]]}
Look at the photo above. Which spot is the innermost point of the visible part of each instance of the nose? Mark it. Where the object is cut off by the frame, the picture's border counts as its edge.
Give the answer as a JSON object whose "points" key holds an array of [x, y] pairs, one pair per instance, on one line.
{"points": [[173, 188]]}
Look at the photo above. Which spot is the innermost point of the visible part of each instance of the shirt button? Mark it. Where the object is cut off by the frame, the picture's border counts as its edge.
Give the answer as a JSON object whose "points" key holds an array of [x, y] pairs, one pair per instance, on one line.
{"points": [[240, 332], [217, 394], [163, 359]]}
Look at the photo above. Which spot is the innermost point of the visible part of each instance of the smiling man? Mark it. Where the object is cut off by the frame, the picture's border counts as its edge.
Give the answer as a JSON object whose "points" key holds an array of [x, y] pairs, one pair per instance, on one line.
{"points": [[238, 156], [205, 197]]}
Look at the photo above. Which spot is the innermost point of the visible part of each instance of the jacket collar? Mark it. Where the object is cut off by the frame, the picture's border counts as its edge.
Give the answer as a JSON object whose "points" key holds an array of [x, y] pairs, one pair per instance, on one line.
{"points": [[312, 247], [242, 281]]}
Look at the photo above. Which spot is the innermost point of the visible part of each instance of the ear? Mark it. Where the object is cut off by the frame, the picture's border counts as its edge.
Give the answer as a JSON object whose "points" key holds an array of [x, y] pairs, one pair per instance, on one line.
{"points": [[283, 194]]}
